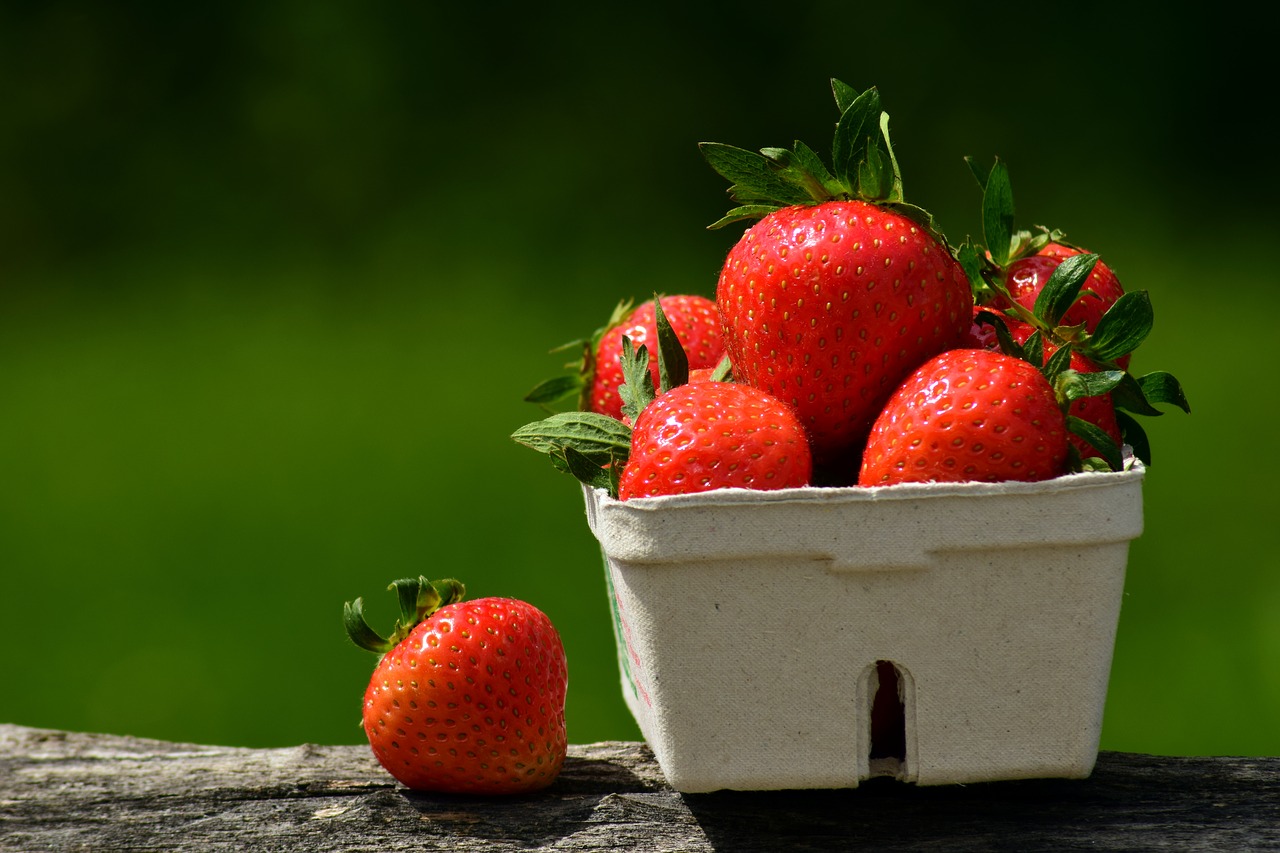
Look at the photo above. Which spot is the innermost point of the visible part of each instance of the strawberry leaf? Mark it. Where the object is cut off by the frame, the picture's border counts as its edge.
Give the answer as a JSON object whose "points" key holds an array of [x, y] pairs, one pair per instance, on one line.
{"points": [[844, 94], [1099, 439], [864, 165], [802, 168], [1063, 287], [753, 177], [997, 213], [974, 263], [1128, 394], [746, 211], [580, 381], [1093, 463], [1020, 244], [673, 363], [589, 472], [875, 177], [555, 389], [360, 632], [411, 592], [1095, 384], [895, 191], [1134, 436], [978, 173], [418, 598], [1162, 387], [918, 215], [858, 125], [598, 437], [1033, 348], [723, 371], [1058, 364], [637, 389], [1123, 328], [1008, 345]]}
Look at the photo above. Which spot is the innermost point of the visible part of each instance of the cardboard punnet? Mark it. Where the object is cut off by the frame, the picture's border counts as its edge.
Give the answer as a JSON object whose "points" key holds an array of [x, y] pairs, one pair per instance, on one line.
{"points": [[750, 625]]}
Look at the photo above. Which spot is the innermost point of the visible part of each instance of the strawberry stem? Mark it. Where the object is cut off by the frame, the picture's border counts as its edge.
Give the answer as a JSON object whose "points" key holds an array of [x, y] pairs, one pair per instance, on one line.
{"points": [[418, 598]]}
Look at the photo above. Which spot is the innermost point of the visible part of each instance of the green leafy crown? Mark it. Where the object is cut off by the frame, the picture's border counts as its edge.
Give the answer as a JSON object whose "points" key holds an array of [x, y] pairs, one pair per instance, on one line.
{"points": [[863, 166], [418, 597], [1120, 331], [593, 447]]}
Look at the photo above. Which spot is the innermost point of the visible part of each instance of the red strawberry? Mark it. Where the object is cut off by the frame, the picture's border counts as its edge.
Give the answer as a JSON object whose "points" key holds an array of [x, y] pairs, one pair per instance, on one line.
{"points": [[983, 335], [597, 375], [1098, 410], [829, 306], [695, 322], [968, 414], [1010, 275], [1026, 277], [841, 289], [715, 435], [468, 696]]}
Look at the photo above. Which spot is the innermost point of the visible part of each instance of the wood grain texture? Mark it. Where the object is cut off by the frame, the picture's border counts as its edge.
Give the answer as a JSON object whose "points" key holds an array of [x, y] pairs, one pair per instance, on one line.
{"points": [[62, 791]]}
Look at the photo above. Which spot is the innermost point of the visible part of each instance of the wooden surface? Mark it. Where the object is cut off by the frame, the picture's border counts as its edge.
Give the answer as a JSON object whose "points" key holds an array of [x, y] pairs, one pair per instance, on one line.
{"points": [[62, 791]]}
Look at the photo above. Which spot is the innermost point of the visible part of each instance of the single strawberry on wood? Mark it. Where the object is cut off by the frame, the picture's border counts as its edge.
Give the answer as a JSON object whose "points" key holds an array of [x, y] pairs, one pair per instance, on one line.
{"points": [[841, 289], [468, 696]]}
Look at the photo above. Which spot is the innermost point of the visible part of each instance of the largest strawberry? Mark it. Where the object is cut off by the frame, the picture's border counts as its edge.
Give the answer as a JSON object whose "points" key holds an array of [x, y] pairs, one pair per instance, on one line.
{"points": [[830, 306], [841, 289]]}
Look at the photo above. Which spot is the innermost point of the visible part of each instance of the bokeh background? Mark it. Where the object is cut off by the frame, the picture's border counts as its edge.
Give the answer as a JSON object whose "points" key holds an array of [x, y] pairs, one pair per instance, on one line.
{"points": [[274, 278]]}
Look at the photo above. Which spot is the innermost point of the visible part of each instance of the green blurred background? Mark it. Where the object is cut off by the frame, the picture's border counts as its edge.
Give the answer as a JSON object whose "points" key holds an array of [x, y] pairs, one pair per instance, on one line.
{"points": [[275, 276]]}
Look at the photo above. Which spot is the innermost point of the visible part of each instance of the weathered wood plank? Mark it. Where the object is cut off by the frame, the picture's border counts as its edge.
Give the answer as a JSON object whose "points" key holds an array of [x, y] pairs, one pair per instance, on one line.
{"points": [[63, 791]]}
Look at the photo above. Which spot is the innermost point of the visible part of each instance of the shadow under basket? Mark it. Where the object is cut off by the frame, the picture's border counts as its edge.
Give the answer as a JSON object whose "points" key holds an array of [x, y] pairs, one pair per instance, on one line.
{"points": [[815, 638]]}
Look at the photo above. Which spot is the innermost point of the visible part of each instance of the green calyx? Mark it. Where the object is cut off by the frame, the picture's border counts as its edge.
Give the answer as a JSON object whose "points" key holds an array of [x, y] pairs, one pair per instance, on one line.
{"points": [[1119, 332], [577, 383], [593, 447], [418, 597], [1004, 243], [863, 166], [1130, 395]]}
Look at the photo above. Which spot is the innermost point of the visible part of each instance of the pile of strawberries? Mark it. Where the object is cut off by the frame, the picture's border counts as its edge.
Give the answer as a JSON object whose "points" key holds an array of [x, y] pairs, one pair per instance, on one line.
{"points": [[850, 344]]}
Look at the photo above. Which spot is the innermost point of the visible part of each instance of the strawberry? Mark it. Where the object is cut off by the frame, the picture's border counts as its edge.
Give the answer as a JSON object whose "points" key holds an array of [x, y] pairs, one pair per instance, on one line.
{"points": [[830, 306], [1026, 277], [1098, 410], [1080, 317], [715, 435], [1016, 269], [696, 324], [964, 415], [693, 318], [841, 289], [468, 696], [693, 433]]}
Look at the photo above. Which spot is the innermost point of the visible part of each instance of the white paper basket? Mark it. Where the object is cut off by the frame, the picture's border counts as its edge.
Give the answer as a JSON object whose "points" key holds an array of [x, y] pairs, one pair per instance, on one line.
{"points": [[750, 625]]}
